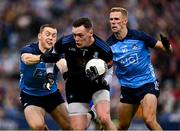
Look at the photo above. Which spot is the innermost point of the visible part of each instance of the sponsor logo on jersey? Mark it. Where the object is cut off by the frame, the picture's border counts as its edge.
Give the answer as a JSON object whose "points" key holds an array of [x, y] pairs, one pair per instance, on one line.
{"points": [[134, 47], [39, 73], [84, 51], [124, 50], [128, 60], [72, 49], [156, 85]]}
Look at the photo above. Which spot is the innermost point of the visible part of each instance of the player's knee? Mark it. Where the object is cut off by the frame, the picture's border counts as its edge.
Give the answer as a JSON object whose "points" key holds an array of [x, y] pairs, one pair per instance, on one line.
{"points": [[66, 126], [149, 120], [104, 119], [77, 126], [123, 125], [38, 126]]}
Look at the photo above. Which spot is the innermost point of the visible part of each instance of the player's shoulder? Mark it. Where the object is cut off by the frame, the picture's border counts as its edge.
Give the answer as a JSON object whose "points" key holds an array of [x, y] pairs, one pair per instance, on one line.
{"points": [[29, 47], [98, 40], [101, 43], [67, 39], [137, 34], [64, 42], [142, 36], [111, 40]]}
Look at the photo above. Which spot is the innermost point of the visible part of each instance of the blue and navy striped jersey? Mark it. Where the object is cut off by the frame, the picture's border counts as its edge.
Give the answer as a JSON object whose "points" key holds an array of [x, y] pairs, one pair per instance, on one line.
{"points": [[77, 58]]}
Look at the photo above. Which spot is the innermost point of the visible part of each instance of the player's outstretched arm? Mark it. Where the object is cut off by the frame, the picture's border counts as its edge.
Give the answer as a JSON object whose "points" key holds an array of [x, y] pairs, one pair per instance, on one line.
{"points": [[30, 59]]}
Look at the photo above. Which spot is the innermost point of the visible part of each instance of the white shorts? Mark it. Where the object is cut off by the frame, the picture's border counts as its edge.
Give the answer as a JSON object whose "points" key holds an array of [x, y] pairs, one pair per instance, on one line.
{"points": [[77, 108], [101, 95]]}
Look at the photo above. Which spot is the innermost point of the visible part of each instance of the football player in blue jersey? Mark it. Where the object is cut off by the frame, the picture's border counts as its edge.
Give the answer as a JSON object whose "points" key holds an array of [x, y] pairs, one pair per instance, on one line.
{"points": [[78, 48], [132, 64], [35, 97]]}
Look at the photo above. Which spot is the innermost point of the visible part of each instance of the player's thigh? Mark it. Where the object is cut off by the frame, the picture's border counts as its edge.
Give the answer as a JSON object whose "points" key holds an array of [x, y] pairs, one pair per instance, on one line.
{"points": [[101, 101], [126, 112], [149, 105], [60, 113], [78, 115], [34, 115]]}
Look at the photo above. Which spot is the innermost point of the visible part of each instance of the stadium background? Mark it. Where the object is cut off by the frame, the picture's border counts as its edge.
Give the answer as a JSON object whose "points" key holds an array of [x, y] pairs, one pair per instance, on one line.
{"points": [[19, 24]]}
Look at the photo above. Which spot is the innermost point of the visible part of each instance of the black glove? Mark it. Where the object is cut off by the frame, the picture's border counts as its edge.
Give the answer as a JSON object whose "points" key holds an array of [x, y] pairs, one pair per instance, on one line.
{"points": [[65, 75], [92, 73], [165, 42], [49, 81], [104, 82], [49, 57]]}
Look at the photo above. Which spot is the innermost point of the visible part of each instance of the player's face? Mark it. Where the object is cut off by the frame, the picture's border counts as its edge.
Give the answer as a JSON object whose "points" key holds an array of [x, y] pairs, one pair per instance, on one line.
{"points": [[48, 37], [117, 22], [82, 36]]}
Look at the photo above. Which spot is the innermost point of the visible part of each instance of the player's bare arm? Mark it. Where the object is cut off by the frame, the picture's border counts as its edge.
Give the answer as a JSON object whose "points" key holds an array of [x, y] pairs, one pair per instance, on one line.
{"points": [[30, 59], [62, 65]]}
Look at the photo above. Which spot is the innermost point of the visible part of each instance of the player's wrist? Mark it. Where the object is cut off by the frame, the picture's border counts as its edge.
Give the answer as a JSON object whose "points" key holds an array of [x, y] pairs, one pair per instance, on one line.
{"points": [[42, 58], [39, 58], [49, 57]]}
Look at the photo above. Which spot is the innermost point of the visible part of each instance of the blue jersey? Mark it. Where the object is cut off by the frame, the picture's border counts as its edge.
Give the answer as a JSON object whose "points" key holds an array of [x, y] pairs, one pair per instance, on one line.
{"points": [[131, 57], [32, 77]]}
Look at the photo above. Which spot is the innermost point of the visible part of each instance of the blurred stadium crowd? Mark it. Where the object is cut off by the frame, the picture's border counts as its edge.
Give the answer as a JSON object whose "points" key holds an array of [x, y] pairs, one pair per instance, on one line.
{"points": [[20, 21]]}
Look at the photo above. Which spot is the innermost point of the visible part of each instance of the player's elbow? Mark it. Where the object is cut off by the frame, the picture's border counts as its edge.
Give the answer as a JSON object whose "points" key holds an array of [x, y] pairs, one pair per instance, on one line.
{"points": [[26, 60], [30, 59]]}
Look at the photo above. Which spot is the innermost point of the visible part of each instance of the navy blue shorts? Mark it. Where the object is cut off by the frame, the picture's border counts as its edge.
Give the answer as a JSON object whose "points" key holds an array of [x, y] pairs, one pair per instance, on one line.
{"points": [[48, 102], [135, 95]]}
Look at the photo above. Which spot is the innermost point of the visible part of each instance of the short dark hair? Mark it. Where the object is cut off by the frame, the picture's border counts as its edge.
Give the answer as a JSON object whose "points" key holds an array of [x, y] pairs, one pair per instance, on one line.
{"points": [[46, 25], [86, 22]]}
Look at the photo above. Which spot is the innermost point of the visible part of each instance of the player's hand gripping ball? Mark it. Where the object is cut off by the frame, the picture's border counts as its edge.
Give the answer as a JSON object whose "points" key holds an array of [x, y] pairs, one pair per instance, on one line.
{"points": [[95, 68]]}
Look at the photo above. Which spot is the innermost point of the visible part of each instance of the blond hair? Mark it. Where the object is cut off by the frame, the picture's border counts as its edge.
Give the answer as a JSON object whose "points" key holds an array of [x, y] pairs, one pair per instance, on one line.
{"points": [[123, 11]]}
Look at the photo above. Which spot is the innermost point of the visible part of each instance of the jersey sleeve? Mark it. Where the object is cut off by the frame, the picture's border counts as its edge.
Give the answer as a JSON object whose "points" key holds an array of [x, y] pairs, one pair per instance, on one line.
{"points": [[58, 46], [110, 59], [26, 49], [107, 54], [148, 40]]}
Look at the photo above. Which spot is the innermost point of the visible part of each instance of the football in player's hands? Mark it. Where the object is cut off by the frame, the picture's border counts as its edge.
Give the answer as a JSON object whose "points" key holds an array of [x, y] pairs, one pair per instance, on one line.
{"points": [[92, 73], [95, 68]]}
